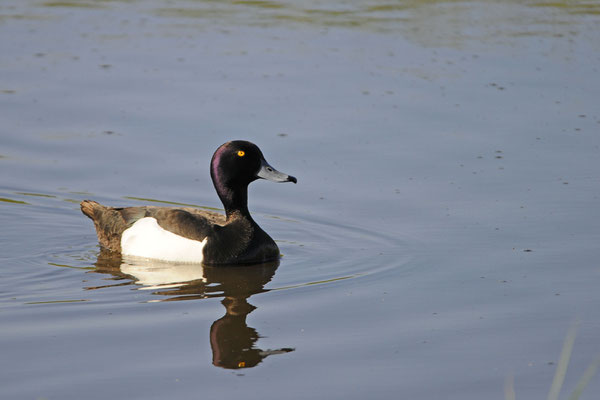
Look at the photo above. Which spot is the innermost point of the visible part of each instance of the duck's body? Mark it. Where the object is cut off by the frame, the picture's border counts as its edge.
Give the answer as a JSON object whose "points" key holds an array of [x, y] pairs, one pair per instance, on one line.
{"points": [[193, 235]]}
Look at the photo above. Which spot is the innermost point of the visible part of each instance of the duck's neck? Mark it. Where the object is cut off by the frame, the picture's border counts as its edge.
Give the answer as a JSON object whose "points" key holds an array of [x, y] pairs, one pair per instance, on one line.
{"points": [[235, 202]]}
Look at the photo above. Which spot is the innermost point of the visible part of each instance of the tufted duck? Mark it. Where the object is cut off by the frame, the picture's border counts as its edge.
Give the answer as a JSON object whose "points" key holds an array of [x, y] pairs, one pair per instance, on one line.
{"points": [[192, 235]]}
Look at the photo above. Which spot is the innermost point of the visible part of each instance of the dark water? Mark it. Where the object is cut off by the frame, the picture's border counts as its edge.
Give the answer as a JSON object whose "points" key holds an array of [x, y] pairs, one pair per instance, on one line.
{"points": [[442, 238]]}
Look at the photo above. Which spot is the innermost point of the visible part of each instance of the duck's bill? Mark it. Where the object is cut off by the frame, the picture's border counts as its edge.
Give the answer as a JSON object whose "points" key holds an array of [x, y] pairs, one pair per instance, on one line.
{"points": [[271, 174]]}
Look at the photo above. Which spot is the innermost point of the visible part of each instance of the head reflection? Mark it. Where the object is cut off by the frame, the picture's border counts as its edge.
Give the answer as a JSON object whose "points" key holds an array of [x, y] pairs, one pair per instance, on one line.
{"points": [[231, 339]]}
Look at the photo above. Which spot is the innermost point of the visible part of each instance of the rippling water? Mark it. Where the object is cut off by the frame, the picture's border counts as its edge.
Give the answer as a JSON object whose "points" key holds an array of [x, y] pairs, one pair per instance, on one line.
{"points": [[442, 237]]}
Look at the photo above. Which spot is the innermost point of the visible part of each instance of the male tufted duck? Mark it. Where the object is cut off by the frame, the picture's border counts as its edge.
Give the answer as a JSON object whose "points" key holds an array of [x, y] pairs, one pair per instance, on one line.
{"points": [[192, 235]]}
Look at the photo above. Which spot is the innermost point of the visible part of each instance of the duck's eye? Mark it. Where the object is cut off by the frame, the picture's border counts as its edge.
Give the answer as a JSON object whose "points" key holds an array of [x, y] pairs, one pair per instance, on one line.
{"points": [[241, 153]]}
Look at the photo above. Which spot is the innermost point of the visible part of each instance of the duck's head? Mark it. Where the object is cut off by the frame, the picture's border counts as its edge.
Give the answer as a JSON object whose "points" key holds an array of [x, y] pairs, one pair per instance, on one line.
{"points": [[236, 164]]}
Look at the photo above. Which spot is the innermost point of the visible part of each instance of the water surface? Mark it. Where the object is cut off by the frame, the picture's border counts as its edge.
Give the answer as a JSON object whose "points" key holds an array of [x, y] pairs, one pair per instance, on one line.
{"points": [[442, 238]]}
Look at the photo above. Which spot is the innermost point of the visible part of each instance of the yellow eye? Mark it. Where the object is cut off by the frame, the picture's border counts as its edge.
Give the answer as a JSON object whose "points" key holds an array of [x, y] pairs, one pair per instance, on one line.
{"points": [[241, 153]]}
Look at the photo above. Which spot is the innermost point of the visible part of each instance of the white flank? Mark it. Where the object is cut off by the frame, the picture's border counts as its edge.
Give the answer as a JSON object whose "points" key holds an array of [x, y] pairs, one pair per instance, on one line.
{"points": [[147, 239]]}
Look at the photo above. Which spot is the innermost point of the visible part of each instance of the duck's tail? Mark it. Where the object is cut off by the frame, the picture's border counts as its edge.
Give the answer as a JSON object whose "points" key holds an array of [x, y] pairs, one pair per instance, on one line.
{"points": [[89, 207], [108, 223]]}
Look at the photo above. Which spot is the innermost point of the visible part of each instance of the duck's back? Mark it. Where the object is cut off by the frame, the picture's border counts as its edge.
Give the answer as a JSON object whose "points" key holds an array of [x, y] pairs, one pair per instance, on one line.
{"points": [[111, 223]]}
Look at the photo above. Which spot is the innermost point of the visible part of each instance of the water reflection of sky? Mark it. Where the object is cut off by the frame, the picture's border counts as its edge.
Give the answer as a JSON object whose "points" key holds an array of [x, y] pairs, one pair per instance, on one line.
{"points": [[447, 154]]}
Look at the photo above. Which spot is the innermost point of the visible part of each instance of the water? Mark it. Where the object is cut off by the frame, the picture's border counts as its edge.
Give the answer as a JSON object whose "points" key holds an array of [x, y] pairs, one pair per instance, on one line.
{"points": [[442, 238]]}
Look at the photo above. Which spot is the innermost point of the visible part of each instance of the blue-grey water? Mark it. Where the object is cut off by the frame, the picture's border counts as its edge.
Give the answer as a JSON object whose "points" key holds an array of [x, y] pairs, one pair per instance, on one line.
{"points": [[442, 238]]}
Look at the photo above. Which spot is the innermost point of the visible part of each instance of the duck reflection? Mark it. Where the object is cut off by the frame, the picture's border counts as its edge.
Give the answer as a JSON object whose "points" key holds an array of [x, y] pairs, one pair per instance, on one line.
{"points": [[231, 339]]}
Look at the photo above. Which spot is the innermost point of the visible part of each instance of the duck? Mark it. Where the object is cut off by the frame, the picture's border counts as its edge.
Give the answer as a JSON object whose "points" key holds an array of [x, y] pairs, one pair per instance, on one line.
{"points": [[191, 235]]}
